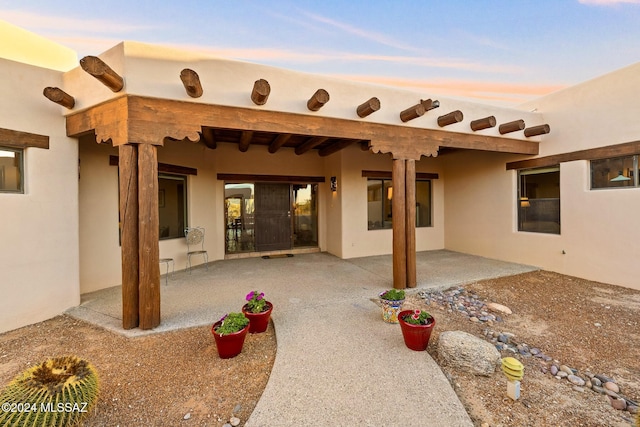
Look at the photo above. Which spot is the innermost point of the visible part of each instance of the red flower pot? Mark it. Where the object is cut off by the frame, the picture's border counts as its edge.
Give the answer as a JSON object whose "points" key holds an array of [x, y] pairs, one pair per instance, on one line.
{"points": [[229, 345], [416, 337], [258, 322]]}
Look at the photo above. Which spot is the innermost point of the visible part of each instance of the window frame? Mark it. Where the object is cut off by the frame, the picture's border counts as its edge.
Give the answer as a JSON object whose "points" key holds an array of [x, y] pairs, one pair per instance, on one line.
{"points": [[524, 201], [185, 180], [634, 172], [21, 181], [384, 181]]}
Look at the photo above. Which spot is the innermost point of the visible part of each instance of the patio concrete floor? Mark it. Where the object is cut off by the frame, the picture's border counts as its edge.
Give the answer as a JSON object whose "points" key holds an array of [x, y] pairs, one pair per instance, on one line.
{"points": [[337, 362]]}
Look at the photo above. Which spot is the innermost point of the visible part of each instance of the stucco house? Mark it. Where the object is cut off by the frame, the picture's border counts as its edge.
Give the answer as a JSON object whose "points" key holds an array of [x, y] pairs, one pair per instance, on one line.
{"points": [[133, 146]]}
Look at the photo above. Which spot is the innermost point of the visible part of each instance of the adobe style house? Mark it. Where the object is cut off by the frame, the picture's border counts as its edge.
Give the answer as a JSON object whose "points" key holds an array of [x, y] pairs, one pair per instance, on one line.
{"points": [[104, 162]]}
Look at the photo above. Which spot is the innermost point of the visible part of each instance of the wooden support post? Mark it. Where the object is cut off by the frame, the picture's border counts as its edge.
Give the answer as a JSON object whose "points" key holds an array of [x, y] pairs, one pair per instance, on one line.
{"points": [[245, 140], [318, 100], [398, 207], [59, 96], [101, 71], [509, 127], [128, 172], [191, 82], [412, 112], [537, 130], [148, 226], [410, 183], [450, 118], [485, 123], [279, 142], [309, 144], [260, 92], [368, 107]]}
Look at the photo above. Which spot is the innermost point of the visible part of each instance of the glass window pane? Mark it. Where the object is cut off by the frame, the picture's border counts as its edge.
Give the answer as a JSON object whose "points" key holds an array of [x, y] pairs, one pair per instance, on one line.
{"points": [[539, 200], [613, 173], [239, 217], [172, 205], [374, 203], [305, 216], [423, 204], [11, 175]]}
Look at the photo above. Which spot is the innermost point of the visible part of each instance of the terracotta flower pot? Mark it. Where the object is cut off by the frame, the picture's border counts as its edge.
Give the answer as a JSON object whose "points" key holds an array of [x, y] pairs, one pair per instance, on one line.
{"points": [[416, 337], [229, 345], [258, 322], [390, 309]]}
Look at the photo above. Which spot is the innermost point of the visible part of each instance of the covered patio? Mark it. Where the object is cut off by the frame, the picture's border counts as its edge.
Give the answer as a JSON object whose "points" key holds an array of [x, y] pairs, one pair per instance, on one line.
{"points": [[332, 344]]}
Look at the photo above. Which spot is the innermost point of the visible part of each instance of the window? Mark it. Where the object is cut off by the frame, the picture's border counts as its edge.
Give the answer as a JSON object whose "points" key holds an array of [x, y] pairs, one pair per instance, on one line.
{"points": [[617, 172], [539, 200], [11, 170], [380, 211], [172, 205]]}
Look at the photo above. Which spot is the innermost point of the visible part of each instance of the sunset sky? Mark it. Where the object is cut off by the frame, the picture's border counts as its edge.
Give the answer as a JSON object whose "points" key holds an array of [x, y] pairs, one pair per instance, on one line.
{"points": [[502, 52]]}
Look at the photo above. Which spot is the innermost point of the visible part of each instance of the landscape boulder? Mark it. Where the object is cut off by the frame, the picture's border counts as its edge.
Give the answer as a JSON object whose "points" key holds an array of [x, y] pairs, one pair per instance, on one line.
{"points": [[469, 353]]}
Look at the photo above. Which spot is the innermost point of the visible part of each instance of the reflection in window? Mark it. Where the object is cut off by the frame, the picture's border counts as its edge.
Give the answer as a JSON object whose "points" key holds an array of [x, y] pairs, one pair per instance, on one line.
{"points": [[305, 215], [379, 203], [11, 175], [539, 200], [172, 205], [615, 172], [239, 217]]}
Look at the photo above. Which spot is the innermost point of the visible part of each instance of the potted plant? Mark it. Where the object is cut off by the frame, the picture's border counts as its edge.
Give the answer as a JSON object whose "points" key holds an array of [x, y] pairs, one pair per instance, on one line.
{"points": [[391, 302], [229, 333], [416, 328], [258, 311]]}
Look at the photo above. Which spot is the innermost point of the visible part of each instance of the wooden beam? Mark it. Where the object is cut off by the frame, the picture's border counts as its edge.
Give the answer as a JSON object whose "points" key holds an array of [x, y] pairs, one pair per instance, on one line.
{"points": [[237, 177], [368, 107], [335, 147], [149, 232], [278, 142], [260, 92], [429, 104], [450, 118], [509, 127], [59, 96], [162, 167], [149, 120], [537, 130], [318, 100], [398, 210], [17, 139], [245, 141], [208, 138], [387, 174], [129, 246], [485, 123], [191, 82], [412, 112], [309, 144], [410, 221], [618, 150], [101, 71]]}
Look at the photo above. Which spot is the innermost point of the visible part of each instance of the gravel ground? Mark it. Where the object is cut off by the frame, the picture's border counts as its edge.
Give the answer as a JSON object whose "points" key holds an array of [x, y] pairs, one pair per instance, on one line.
{"points": [[160, 379]]}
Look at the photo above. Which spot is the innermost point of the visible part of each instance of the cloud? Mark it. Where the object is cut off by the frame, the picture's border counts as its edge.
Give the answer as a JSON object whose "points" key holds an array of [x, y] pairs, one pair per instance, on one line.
{"points": [[504, 93], [42, 23], [359, 32], [608, 2]]}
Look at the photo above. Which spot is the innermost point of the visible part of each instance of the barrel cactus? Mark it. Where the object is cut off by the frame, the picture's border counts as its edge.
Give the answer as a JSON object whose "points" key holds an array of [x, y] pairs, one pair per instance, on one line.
{"points": [[58, 392]]}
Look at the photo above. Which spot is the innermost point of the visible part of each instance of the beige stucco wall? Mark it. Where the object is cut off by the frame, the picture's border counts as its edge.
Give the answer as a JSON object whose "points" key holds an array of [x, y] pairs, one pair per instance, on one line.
{"points": [[600, 236], [39, 229]]}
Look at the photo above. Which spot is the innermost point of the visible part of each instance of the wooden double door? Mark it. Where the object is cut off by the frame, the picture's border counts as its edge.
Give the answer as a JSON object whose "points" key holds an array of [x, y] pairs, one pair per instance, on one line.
{"points": [[273, 222]]}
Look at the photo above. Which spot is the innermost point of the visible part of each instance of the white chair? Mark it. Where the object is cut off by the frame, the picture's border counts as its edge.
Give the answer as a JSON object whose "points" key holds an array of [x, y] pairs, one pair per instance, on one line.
{"points": [[195, 245]]}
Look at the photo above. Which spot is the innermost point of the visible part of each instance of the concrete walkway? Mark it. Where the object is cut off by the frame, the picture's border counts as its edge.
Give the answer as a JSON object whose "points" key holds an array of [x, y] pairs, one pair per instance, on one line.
{"points": [[337, 362]]}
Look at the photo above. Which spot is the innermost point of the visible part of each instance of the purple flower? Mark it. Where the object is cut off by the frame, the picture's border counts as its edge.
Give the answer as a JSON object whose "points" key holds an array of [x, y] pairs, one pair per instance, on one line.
{"points": [[250, 296], [260, 296]]}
